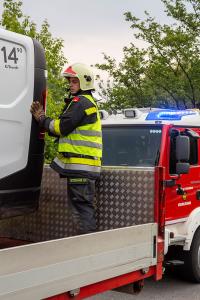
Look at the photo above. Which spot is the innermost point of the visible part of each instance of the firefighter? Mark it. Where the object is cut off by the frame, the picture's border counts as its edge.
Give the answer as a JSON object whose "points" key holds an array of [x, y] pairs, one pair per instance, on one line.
{"points": [[79, 143]]}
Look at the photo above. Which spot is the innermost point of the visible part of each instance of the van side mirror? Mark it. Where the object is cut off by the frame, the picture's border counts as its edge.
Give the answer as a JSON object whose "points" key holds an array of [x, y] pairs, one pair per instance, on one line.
{"points": [[182, 154]]}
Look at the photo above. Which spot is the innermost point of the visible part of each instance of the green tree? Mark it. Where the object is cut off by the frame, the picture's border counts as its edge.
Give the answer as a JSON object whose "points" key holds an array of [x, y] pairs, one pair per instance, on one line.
{"points": [[13, 19], [167, 71]]}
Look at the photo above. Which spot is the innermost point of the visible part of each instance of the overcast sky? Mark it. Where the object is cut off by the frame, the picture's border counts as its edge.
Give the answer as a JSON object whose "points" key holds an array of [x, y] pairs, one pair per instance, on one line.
{"points": [[90, 27]]}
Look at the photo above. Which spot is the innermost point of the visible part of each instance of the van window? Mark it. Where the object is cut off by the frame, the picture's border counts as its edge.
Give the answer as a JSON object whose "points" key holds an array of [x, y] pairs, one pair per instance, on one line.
{"points": [[131, 145]]}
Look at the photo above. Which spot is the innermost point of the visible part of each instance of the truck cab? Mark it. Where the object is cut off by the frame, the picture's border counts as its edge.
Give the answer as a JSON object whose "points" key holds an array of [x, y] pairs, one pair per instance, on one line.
{"points": [[167, 139], [150, 139]]}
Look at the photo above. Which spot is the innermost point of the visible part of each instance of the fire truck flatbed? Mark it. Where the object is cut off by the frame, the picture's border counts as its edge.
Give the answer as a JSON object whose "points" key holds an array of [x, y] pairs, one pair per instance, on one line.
{"points": [[40, 270]]}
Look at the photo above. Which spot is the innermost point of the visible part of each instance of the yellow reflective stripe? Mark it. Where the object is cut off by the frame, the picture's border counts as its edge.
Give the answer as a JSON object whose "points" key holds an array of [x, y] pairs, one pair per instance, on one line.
{"points": [[87, 132], [84, 138], [89, 97], [94, 126], [80, 150], [77, 167], [97, 125], [78, 160], [75, 143], [57, 127], [90, 111]]}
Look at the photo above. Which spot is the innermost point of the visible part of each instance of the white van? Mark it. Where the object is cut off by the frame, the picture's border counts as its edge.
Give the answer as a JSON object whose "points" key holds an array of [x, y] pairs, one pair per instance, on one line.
{"points": [[22, 80]]}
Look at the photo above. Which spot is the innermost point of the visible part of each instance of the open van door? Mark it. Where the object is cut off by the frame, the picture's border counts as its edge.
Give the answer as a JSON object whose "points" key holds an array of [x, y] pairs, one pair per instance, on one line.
{"points": [[22, 79]]}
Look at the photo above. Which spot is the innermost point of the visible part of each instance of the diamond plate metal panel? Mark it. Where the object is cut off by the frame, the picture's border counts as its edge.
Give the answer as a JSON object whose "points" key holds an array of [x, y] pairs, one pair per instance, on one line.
{"points": [[125, 197]]}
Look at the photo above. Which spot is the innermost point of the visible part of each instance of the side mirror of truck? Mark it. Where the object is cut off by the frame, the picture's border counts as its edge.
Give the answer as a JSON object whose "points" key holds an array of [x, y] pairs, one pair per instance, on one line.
{"points": [[182, 168], [182, 154]]}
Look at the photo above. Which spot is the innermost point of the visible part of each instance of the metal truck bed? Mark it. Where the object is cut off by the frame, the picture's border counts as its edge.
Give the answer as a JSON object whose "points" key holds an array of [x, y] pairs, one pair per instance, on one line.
{"points": [[59, 260], [40, 270]]}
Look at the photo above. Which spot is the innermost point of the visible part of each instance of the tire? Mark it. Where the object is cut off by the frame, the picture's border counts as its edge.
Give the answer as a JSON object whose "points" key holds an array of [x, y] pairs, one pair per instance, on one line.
{"points": [[191, 258]]}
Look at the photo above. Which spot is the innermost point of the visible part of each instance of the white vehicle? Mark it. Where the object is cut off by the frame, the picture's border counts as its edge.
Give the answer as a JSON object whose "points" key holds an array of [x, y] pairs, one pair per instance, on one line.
{"points": [[22, 79]]}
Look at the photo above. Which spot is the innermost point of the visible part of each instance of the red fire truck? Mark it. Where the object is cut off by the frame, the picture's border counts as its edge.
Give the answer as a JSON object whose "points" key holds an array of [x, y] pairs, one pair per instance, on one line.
{"points": [[147, 207], [147, 201]]}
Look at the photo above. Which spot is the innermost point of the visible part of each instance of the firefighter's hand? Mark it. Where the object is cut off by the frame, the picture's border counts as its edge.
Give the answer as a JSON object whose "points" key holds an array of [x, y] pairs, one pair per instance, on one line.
{"points": [[37, 110]]}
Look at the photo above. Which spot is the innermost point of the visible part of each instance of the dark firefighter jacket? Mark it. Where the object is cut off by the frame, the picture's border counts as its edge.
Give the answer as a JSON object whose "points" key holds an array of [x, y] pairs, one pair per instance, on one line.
{"points": [[79, 138]]}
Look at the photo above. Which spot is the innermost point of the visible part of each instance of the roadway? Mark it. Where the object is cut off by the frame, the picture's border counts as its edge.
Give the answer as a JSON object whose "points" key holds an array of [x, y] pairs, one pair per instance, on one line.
{"points": [[169, 288]]}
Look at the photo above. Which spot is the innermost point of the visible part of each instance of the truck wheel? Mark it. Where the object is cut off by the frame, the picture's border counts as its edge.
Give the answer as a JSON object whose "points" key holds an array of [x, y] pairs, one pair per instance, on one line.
{"points": [[192, 260]]}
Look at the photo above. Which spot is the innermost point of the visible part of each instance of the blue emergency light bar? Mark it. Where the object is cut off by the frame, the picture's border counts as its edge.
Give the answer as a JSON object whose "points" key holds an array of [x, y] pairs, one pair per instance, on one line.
{"points": [[169, 114]]}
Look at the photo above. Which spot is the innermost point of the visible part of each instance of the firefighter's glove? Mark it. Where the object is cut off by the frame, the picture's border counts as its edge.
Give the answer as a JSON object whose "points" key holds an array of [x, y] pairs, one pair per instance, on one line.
{"points": [[37, 111]]}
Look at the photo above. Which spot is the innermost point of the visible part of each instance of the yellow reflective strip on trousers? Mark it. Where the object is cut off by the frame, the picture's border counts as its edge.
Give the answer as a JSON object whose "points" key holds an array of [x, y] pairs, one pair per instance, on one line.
{"points": [[80, 150], [77, 160], [90, 111], [57, 127]]}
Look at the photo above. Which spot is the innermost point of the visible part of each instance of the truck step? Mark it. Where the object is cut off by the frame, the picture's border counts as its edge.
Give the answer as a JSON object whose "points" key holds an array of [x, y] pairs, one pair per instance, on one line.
{"points": [[178, 240], [174, 262]]}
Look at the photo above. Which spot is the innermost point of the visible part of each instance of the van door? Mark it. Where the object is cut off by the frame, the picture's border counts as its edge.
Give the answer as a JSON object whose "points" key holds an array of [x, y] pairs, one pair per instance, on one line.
{"points": [[16, 88], [22, 79]]}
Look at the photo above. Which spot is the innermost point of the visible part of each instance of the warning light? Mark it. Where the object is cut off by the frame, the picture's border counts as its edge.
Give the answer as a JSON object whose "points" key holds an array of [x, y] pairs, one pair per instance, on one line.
{"points": [[169, 114]]}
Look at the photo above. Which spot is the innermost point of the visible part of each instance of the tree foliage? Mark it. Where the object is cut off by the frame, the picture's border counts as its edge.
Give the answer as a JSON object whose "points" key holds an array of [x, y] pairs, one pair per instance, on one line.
{"points": [[13, 19], [166, 72]]}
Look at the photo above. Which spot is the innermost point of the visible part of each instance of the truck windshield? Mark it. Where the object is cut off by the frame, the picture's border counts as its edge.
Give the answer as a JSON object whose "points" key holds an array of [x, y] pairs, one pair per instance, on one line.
{"points": [[131, 145]]}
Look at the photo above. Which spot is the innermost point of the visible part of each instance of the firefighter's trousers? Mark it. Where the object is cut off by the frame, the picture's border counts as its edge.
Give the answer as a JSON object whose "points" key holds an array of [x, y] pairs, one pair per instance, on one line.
{"points": [[81, 193]]}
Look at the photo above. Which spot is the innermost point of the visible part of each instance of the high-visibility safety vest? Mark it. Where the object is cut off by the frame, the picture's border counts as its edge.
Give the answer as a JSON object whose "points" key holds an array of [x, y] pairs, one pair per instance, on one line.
{"points": [[85, 140]]}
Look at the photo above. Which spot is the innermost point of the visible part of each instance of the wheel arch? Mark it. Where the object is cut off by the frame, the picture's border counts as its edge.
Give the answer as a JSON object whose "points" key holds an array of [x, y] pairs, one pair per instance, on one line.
{"points": [[191, 226]]}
